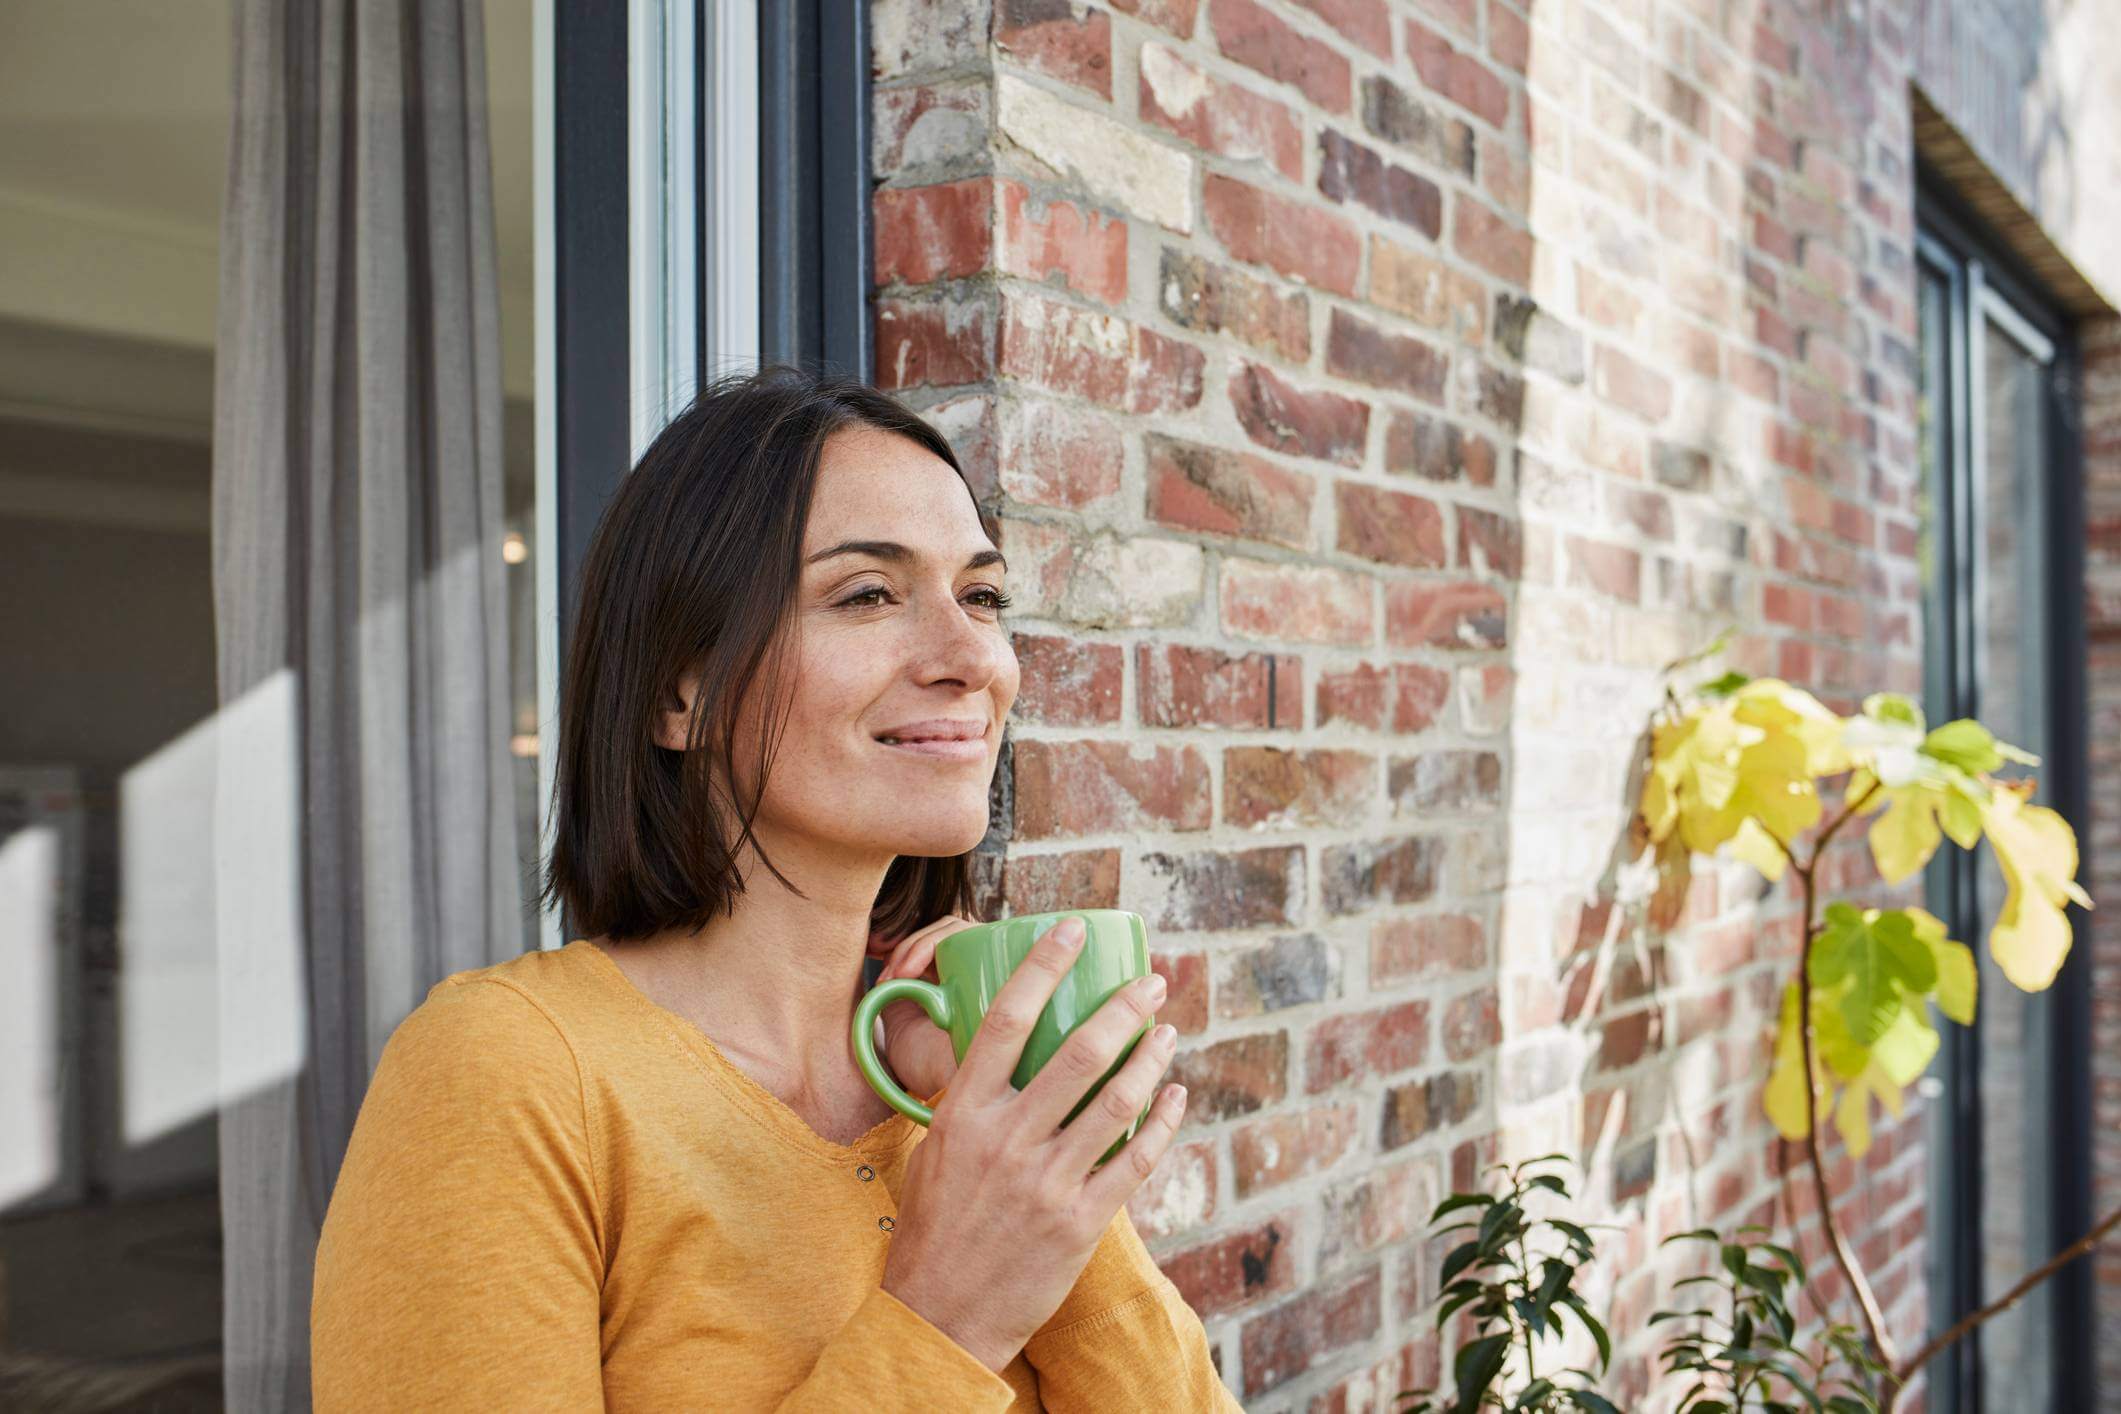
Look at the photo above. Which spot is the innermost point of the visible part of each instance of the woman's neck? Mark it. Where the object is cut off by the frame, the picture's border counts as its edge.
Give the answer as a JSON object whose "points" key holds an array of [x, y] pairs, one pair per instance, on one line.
{"points": [[774, 983]]}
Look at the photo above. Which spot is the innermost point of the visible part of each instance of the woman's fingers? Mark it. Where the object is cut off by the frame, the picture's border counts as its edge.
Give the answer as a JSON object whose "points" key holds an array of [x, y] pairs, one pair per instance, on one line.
{"points": [[914, 954], [1113, 1184], [1087, 1053], [1117, 1103], [999, 1042]]}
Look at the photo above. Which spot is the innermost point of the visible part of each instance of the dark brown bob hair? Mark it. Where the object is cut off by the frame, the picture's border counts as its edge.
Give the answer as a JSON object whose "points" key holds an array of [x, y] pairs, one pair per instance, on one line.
{"points": [[694, 567]]}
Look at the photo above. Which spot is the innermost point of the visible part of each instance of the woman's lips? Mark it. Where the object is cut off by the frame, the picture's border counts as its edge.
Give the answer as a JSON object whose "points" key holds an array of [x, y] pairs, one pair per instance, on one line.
{"points": [[943, 749]]}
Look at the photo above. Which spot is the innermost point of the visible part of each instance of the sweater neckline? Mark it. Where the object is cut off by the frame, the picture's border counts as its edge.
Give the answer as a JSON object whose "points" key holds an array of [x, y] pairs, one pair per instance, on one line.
{"points": [[887, 1135]]}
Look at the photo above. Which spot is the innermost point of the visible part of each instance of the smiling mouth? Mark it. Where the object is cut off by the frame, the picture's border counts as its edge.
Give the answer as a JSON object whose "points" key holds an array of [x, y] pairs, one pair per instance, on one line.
{"points": [[941, 748]]}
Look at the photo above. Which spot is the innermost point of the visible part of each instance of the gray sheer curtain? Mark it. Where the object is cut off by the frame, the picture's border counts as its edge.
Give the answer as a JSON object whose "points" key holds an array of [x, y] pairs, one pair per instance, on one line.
{"points": [[364, 826]]}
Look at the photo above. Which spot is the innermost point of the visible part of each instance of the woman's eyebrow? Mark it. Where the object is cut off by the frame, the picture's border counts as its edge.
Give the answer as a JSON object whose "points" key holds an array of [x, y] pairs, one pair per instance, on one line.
{"points": [[898, 554]]}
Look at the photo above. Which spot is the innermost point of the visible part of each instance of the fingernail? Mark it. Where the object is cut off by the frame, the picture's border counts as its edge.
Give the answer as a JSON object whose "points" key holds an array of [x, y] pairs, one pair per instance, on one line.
{"points": [[1155, 987], [1071, 931], [1178, 1096], [1165, 1034]]}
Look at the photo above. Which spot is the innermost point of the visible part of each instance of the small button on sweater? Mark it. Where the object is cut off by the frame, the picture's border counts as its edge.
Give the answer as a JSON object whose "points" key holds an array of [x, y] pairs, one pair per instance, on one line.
{"points": [[560, 1195]]}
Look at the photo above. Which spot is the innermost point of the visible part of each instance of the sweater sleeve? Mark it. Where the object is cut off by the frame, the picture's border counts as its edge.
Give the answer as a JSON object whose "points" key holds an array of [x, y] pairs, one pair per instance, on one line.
{"points": [[1124, 1338], [890, 1360], [460, 1263]]}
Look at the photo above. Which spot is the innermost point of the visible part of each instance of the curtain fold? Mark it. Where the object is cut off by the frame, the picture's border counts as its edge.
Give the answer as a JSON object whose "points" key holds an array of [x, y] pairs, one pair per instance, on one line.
{"points": [[364, 822]]}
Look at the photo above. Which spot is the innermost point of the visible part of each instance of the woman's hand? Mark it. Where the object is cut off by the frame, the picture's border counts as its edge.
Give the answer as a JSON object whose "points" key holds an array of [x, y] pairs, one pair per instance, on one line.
{"points": [[918, 1051], [1000, 1209]]}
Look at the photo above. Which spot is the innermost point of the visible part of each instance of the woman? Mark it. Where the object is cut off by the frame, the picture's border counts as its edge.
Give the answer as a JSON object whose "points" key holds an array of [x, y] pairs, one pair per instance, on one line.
{"points": [[643, 1170]]}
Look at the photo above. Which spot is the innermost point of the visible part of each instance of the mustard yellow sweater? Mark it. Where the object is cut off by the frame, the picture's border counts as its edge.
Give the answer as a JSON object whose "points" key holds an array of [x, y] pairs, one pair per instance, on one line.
{"points": [[560, 1195]]}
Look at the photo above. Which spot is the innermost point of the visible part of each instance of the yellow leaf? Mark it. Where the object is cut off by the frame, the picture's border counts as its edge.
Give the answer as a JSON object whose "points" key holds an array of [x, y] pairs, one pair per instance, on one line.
{"points": [[1753, 845], [1703, 773], [1859, 789], [1784, 1097], [1852, 1116], [1773, 704], [1901, 1054], [1958, 979], [1906, 835], [1774, 787], [1961, 813], [2038, 853], [1693, 766]]}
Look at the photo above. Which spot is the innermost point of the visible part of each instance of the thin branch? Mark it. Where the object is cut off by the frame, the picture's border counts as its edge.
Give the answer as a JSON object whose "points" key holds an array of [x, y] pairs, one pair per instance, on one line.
{"points": [[1866, 1301], [1844, 1257], [1848, 812], [1905, 1371]]}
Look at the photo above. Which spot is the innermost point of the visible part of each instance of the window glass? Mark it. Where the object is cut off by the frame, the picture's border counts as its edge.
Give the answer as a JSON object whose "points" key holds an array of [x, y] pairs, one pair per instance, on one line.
{"points": [[2011, 462]]}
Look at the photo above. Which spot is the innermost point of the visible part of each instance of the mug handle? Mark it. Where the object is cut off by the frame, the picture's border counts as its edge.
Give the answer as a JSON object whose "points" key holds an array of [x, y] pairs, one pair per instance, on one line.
{"points": [[933, 1000]]}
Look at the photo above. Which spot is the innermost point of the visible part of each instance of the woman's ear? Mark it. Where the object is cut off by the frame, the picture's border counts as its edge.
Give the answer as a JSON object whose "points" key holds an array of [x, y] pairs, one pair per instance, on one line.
{"points": [[674, 720]]}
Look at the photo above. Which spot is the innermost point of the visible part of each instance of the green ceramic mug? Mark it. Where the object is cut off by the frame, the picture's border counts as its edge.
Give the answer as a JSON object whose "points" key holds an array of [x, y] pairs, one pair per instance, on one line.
{"points": [[974, 962]]}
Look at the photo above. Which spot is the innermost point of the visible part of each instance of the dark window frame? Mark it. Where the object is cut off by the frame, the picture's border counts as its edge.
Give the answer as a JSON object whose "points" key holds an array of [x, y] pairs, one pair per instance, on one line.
{"points": [[814, 229], [1953, 244]]}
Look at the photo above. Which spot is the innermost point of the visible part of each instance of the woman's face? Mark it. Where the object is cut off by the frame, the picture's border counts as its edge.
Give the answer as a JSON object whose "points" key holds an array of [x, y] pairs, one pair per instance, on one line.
{"points": [[900, 673]]}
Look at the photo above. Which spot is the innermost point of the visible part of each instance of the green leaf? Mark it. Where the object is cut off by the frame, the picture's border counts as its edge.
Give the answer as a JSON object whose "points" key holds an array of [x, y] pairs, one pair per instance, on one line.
{"points": [[1965, 744], [1456, 1201], [1557, 1275], [1451, 1305], [1892, 708], [1767, 1281], [1461, 1257], [1579, 1239], [1791, 1262], [1528, 1311], [1533, 1394], [1599, 1338], [1477, 1365], [1870, 959], [1497, 1225]]}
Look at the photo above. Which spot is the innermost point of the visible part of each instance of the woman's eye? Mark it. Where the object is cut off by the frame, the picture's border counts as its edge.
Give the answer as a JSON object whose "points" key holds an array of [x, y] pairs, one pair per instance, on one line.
{"points": [[993, 599]]}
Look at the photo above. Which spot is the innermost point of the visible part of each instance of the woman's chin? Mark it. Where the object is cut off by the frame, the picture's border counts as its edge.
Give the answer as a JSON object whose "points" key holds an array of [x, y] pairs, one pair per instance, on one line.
{"points": [[929, 839]]}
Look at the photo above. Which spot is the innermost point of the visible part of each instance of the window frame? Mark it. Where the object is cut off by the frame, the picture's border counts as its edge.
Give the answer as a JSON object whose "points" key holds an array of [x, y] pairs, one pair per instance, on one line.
{"points": [[1982, 284]]}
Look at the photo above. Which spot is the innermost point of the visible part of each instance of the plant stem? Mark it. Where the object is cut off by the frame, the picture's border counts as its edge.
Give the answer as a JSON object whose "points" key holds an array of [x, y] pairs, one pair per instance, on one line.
{"points": [[1844, 1257], [1738, 1386], [1905, 1370], [1524, 1269]]}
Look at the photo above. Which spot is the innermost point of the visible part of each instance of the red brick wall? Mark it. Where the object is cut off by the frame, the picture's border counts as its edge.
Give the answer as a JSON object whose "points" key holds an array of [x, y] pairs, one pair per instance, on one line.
{"points": [[1371, 398]]}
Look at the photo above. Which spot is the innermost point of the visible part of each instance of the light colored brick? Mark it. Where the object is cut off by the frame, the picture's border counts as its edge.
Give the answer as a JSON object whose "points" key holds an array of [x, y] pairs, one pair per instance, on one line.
{"points": [[1114, 162]]}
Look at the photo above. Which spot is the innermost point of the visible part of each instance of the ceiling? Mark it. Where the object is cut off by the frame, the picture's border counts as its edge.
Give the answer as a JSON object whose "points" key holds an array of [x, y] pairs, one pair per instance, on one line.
{"points": [[114, 118]]}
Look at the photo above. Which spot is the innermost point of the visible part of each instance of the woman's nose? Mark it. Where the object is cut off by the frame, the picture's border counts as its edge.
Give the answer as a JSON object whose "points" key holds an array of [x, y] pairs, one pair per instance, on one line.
{"points": [[955, 643]]}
